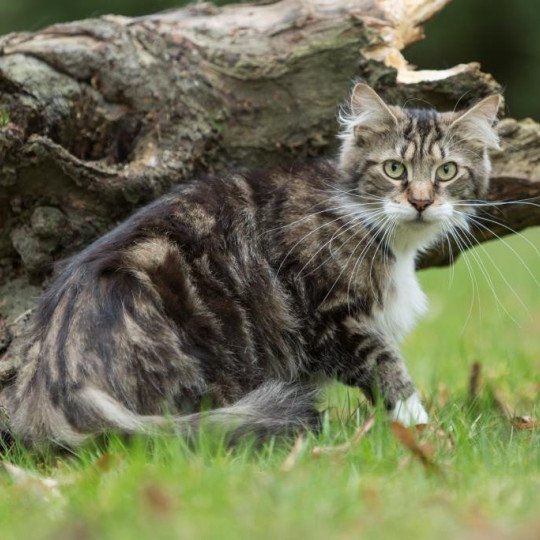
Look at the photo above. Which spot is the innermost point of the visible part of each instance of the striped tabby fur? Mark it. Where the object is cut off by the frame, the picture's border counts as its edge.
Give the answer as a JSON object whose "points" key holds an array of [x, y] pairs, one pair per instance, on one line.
{"points": [[241, 291]]}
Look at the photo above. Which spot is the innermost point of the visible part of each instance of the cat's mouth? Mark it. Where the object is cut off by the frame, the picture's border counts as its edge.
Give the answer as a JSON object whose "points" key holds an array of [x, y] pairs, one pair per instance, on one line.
{"points": [[419, 223], [417, 219], [408, 216], [422, 220]]}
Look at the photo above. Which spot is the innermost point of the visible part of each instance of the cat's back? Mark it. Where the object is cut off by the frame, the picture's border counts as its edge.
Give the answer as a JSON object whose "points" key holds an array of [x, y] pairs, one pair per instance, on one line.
{"points": [[169, 253], [177, 300]]}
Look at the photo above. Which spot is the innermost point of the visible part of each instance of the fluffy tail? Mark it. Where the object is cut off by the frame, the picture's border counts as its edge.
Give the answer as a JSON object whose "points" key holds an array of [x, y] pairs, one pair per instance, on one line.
{"points": [[272, 409]]}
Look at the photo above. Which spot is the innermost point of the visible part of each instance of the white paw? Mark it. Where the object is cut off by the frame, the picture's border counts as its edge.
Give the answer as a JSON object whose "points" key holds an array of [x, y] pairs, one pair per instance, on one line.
{"points": [[410, 411]]}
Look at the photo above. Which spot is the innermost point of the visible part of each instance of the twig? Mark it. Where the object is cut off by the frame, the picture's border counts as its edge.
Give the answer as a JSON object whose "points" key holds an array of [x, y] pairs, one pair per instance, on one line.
{"points": [[294, 454], [421, 452], [341, 449], [474, 381]]}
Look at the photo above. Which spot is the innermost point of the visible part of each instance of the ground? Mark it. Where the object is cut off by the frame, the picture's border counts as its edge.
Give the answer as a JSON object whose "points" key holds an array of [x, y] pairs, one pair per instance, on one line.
{"points": [[480, 477]]}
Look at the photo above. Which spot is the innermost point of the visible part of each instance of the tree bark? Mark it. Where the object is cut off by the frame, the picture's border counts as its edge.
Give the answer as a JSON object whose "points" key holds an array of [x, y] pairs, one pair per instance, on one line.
{"points": [[99, 116]]}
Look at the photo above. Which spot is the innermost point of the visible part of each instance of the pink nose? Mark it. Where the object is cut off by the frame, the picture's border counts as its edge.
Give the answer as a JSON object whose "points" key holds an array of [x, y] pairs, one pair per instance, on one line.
{"points": [[420, 204]]}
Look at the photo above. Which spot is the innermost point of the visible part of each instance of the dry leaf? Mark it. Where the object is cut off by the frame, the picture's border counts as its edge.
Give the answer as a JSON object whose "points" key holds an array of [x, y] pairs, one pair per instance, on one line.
{"points": [[294, 454], [404, 462], [442, 395], [157, 501], [107, 461], [438, 433], [421, 451], [525, 423], [501, 403], [372, 498], [474, 380], [447, 438], [41, 486], [341, 449]]}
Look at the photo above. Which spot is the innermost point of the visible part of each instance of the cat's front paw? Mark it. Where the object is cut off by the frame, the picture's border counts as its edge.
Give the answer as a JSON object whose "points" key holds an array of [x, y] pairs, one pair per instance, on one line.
{"points": [[410, 411]]}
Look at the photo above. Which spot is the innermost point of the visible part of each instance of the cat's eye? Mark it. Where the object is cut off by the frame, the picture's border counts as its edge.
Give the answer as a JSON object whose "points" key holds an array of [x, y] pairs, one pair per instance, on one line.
{"points": [[446, 171], [394, 169]]}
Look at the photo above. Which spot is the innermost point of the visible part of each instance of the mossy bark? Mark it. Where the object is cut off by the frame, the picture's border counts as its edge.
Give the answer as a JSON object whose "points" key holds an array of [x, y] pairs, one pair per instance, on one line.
{"points": [[98, 117]]}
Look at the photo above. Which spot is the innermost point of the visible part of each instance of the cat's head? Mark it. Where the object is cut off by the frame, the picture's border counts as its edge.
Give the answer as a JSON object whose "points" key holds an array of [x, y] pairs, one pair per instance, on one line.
{"points": [[416, 168]]}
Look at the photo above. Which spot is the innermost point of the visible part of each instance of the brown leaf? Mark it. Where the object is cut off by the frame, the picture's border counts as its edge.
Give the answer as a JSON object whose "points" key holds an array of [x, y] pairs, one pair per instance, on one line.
{"points": [[107, 461], [404, 462], [442, 395], [438, 433], [341, 449], [501, 403], [423, 452], [525, 423], [474, 380], [372, 498], [290, 461], [157, 501]]}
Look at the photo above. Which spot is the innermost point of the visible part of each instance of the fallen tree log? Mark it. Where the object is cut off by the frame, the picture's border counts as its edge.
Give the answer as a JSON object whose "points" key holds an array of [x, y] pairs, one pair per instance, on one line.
{"points": [[99, 116]]}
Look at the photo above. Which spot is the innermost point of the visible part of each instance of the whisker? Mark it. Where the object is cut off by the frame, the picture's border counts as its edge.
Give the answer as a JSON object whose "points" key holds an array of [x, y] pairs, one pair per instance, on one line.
{"points": [[474, 282], [472, 238], [476, 204], [513, 231], [451, 256], [348, 227], [313, 214], [344, 267], [520, 258], [363, 255], [325, 224]]}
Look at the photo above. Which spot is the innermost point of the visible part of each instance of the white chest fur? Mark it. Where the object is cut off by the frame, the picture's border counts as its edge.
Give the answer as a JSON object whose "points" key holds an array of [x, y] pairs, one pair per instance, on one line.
{"points": [[404, 301]]}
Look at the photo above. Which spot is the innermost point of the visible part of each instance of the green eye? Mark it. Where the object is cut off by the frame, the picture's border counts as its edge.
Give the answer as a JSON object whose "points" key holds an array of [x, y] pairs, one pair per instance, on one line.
{"points": [[394, 169], [446, 171]]}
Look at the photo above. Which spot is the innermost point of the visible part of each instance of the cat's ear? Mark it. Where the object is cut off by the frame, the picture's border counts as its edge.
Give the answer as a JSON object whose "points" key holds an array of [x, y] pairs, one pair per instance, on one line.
{"points": [[369, 112], [477, 123]]}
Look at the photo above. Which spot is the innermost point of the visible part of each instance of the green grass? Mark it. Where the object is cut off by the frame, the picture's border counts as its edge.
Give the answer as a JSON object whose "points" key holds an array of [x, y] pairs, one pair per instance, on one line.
{"points": [[490, 486]]}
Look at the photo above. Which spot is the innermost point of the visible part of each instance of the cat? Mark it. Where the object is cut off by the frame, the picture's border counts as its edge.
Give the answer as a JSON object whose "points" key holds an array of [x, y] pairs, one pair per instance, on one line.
{"points": [[246, 292]]}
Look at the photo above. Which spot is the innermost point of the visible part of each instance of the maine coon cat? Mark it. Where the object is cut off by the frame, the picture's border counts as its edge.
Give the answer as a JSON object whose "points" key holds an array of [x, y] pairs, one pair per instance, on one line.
{"points": [[241, 291]]}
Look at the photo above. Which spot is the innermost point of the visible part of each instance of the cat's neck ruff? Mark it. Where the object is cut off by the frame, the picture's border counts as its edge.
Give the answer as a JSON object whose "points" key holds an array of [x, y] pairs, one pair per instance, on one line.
{"points": [[411, 238], [405, 301]]}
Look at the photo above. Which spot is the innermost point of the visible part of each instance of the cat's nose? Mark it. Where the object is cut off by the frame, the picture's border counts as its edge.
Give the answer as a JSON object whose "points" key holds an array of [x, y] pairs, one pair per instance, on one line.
{"points": [[420, 204]]}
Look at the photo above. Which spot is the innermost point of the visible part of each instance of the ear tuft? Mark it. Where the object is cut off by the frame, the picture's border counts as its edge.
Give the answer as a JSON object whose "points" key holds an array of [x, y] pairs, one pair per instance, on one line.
{"points": [[368, 109], [477, 122]]}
